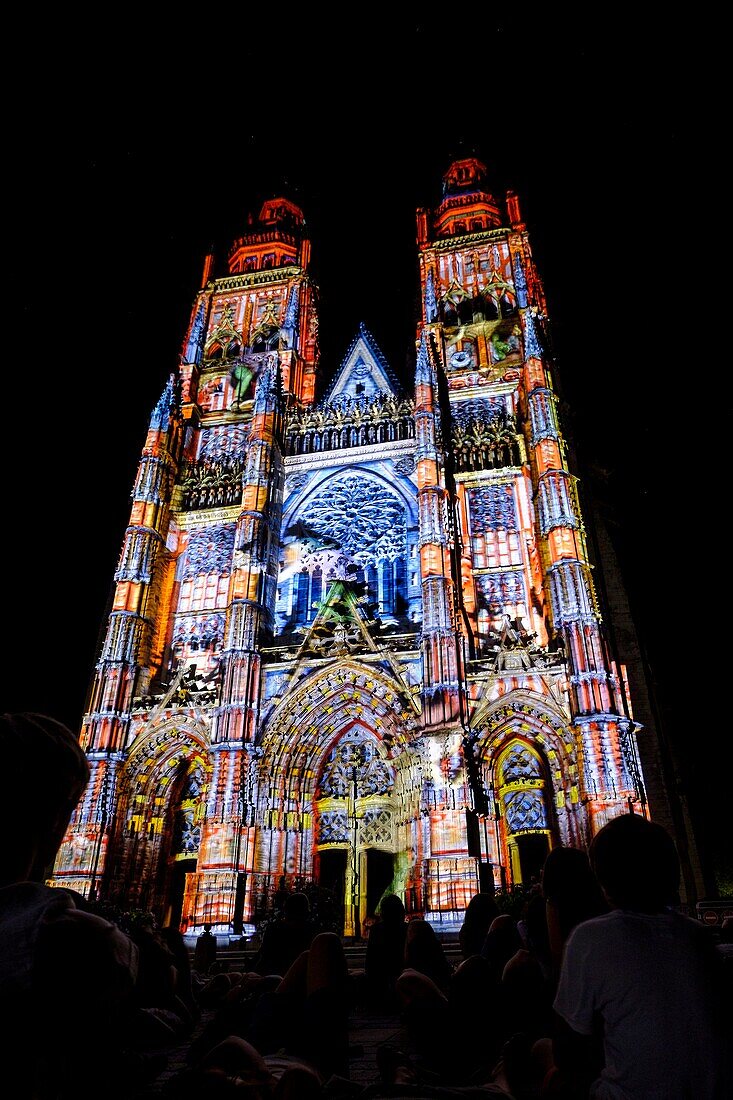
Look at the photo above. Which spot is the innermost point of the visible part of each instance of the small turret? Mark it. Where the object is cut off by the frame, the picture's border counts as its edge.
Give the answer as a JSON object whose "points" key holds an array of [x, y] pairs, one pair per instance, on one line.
{"points": [[466, 205], [276, 239]]}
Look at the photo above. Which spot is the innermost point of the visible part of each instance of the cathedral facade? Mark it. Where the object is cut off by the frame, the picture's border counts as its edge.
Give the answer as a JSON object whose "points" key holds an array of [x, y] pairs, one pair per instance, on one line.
{"points": [[355, 639]]}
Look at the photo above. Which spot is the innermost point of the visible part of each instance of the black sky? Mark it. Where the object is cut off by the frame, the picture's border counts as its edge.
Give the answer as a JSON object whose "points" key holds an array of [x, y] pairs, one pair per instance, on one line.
{"points": [[131, 158]]}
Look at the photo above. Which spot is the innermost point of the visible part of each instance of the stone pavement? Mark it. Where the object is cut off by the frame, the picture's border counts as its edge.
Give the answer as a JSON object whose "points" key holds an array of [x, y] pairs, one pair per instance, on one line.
{"points": [[367, 1031]]}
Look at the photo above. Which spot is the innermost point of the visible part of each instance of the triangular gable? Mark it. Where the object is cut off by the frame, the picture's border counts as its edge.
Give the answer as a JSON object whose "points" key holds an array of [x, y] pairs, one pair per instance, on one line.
{"points": [[364, 371], [342, 629], [341, 625]]}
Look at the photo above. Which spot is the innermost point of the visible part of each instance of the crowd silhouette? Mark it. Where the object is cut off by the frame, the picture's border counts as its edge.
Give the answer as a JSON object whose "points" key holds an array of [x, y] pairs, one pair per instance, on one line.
{"points": [[597, 987]]}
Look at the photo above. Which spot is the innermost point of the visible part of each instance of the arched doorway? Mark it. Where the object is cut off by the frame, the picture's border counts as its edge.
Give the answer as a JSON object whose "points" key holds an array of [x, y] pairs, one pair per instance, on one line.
{"points": [[343, 723], [184, 812], [174, 917], [158, 828], [355, 834]]}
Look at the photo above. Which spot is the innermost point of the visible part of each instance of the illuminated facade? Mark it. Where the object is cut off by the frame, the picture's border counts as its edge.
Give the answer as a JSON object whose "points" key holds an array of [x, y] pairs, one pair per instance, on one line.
{"points": [[355, 637]]}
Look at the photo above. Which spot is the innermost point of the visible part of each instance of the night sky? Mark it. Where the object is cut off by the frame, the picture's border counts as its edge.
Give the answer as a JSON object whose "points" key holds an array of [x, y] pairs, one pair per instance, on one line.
{"points": [[131, 159]]}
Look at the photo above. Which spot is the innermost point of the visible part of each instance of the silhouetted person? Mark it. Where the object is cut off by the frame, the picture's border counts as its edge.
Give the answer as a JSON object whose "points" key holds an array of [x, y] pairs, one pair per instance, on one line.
{"points": [[643, 979], [533, 930], [281, 895], [572, 894], [162, 1017], [450, 1035], [271, 1028], [384, 958], [424, 952], [286, 937], [502, 941], [66, 974], [480, 912], [234, 1067], [204, 953], [176, 944]]}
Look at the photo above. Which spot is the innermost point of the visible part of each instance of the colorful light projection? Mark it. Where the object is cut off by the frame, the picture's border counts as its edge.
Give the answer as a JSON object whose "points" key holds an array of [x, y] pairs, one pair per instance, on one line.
{"points": [[355, 641]]}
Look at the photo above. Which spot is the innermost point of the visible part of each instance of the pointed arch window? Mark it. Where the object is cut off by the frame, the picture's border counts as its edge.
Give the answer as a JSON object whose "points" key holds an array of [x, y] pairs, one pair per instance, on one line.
{"points": [[522, 786]]}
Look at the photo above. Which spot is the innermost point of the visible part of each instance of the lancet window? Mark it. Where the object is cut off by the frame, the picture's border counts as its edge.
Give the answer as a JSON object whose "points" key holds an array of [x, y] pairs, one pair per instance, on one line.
{"points": [[522, 789]]}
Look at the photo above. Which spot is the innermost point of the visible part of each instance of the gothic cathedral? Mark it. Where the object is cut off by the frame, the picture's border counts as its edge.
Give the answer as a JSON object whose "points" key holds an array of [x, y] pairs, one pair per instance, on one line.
{"points": [[355, 639]]}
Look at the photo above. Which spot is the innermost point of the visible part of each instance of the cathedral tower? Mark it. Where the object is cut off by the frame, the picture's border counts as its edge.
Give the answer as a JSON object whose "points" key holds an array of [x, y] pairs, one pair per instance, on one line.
{"points": [[355, 638]]}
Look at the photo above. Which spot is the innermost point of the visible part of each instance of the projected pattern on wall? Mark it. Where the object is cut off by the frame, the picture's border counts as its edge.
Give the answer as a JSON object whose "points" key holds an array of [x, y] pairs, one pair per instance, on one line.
{"points": [[355, 638]]}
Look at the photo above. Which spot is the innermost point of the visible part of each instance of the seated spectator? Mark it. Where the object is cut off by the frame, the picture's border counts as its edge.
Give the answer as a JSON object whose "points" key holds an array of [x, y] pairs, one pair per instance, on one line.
{"points": [[66, 974], [643, 979], [161, 1015], [424, 953], [526, 997], [384, 958], [533, 930], [315, 995], [478, 1014], [571, 895], [480, 912], [303, 1016], [501, 943], [286, 937], [235, 1068], [449, 1041], [189, 1008]]}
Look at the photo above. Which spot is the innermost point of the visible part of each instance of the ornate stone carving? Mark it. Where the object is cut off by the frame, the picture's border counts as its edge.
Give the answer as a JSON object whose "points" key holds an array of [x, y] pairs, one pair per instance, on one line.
{"points": [[210, 550]]}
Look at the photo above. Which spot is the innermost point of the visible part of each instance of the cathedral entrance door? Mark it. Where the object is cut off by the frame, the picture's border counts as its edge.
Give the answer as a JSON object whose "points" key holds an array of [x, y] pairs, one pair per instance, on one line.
{"points": [[379, 878], [174, 916], [355, 823], [332, 879], [532, 849]]}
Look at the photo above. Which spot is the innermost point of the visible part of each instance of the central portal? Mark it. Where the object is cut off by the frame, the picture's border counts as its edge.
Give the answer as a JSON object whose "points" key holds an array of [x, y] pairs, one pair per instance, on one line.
{"points": [[355, 901], [354, 830]]}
